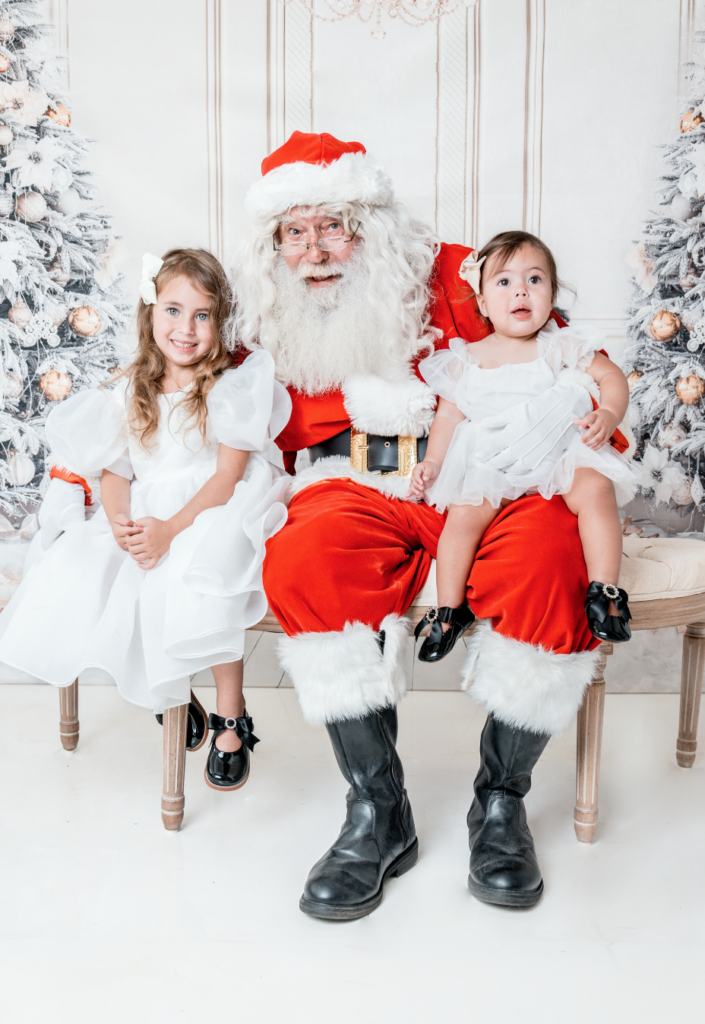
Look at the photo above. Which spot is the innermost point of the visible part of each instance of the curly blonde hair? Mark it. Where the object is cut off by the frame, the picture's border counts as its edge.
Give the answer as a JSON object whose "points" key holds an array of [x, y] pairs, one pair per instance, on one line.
{"points": [[147, 370]]}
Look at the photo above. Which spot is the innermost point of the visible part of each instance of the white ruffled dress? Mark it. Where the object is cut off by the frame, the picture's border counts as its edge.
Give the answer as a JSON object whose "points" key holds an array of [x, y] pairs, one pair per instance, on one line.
{"points": [[481, 394], [86, 609]]}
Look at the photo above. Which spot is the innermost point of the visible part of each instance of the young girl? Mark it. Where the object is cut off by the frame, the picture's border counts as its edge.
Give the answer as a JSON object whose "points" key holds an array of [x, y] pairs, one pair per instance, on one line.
{"points": [[482, 387], [166, 576]]}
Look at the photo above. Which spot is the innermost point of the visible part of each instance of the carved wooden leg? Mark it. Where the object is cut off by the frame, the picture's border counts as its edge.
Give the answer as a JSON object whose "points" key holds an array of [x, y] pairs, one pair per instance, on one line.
{"points": [[587, 774], [691, 687], [175, 720], [68, 715]]}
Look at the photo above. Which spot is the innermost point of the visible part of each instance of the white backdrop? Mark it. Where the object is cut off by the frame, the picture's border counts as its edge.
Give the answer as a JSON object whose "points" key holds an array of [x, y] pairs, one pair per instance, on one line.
{"points": [[543, 114]]}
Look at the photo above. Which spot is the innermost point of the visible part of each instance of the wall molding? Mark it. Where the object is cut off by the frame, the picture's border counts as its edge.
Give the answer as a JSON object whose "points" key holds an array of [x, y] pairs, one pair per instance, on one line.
{"points": [[289, 71], [214, 120], [58, 14], [451, 125], [533, 114]]}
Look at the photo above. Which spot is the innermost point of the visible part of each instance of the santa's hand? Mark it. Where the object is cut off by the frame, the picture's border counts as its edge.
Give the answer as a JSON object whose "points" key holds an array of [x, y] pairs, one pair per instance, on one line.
{"points": [[422, 476], [151, 543], [598, 426], [64, 507], [523, 437]]}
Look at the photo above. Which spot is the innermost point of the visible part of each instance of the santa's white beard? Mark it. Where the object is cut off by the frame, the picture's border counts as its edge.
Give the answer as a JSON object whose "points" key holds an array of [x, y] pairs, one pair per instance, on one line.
{"points": [[320, 337]]}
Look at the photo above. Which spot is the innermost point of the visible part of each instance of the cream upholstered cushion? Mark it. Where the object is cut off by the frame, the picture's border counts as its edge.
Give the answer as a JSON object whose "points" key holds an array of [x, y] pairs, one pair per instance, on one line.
{"points": [[660, 567]]}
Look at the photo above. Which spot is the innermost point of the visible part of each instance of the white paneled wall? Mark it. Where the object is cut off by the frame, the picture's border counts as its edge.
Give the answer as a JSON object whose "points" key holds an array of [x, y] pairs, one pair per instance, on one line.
{"points": [[544, 114]]}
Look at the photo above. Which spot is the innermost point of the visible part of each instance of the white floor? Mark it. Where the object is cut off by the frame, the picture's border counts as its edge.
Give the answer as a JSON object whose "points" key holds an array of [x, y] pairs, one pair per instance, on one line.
{"points": [[106, 917]]}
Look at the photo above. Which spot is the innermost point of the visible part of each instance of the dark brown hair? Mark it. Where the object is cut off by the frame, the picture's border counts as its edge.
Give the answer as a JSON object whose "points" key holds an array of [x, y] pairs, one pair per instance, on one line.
{"points": [[502, 247], [147, 370]]}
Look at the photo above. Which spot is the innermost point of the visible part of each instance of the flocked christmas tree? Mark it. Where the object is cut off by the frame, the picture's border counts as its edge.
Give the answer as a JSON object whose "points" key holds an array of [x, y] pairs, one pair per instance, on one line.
{"points": [[665, 357], [61, 309]]}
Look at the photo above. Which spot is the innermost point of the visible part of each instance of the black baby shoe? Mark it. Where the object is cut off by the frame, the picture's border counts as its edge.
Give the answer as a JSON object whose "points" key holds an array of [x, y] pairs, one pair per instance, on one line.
{"points": [[614, 628], [437, 644], [226, 769], [196, 724]]}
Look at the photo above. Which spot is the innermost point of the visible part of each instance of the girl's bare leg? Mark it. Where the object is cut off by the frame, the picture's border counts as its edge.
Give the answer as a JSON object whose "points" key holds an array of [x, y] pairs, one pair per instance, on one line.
{"points": [[592, 500], [457, 547], [229, 701]]}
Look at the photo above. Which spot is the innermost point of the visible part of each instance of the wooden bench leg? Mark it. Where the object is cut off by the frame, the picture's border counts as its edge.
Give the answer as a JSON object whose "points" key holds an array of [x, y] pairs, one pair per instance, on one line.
{"points": [[175, 720], [68, 715], [691, 687], [589, 747]]}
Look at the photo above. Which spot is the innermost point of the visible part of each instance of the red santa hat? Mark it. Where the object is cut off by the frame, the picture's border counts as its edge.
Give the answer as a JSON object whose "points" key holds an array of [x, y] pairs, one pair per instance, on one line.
{"points": [[318, 171]]}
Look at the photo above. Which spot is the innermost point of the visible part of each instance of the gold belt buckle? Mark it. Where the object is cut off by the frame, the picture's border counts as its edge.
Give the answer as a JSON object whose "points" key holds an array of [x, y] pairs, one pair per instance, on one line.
{"points": [[406, 447]]}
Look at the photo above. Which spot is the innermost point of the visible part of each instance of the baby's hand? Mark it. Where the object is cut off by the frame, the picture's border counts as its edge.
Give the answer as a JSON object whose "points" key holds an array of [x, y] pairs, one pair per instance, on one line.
{"points": [[123, 528], [151, 543], [422, 476], [598, 426]]}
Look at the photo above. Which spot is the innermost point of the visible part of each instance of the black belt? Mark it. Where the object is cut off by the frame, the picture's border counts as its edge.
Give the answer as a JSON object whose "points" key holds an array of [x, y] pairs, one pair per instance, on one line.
{"points": [[373, 452]]}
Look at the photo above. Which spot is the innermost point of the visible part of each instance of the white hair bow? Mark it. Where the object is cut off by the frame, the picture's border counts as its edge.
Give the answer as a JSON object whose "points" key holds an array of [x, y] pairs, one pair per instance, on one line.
{"points": [[151, 265], [470, 270]]}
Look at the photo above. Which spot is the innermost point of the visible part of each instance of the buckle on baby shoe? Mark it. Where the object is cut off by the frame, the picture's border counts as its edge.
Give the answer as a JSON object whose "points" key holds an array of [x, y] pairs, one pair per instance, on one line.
{"points": [[230, 723], [609, 590]]}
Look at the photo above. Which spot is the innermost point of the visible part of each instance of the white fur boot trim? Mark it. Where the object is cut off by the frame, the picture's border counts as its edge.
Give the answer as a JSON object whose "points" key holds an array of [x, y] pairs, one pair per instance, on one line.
{"points": [[523, 685], [345, 675]]}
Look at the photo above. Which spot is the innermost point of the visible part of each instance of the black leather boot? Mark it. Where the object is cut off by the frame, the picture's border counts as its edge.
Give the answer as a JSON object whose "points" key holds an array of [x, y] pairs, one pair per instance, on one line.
{"points": [[378, 839], [503, 864]]}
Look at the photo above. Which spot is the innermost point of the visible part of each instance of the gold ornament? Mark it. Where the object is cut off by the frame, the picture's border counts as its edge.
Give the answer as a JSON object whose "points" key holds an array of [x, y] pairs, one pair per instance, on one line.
{"points": [[84, 321], [22, 469], [4, 63], [60, 115], [690, 121], [683, 495], [55, 385], [690, 280], [6, 133], [57, 272], [633, 378], [20, 314], [30, 206], [665, 325], [690, 389], [670, 435], [7, 31]]}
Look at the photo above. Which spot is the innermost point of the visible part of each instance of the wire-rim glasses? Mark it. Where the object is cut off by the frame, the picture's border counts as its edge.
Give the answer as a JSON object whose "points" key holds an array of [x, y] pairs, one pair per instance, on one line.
{"points": [[324, 244]]}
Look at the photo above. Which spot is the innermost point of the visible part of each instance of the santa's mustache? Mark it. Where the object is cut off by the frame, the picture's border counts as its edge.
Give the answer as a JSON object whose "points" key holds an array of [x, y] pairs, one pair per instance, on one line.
{"points": [[319, 270]]}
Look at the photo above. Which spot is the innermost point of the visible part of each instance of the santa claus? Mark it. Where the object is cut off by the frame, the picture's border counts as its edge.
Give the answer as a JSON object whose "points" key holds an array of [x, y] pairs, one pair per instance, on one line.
{"points": [[347, 291]]}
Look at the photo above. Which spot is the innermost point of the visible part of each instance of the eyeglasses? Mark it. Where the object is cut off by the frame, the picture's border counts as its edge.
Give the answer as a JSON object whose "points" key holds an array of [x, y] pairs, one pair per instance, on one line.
{"points": [[324, 244]]}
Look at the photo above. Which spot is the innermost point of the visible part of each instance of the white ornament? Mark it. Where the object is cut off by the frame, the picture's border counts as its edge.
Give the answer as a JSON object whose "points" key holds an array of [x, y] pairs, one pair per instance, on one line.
{"points": [[41, 326], [681, 208], [13, 386], [68, 203], [7, 530], [6, 135], [670, 435], [697, 337], [22, 469], [697, 490]]}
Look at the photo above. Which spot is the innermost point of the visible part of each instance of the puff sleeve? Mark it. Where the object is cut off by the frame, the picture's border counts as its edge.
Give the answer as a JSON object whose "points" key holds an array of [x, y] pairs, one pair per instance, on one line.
{"points": [[444, 370], [88, 432], [248, 408], [569, 348]]}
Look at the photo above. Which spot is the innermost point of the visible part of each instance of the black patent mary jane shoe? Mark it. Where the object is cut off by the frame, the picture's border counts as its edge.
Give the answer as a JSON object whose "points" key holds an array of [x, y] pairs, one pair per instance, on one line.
{"points": [[614, 628], [196, 724], [229, 769], [437, 644]]}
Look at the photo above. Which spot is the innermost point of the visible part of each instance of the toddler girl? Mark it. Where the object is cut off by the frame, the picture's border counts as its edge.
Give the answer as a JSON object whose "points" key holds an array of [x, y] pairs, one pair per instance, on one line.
{"points": [[486, 385], [163, 580]]}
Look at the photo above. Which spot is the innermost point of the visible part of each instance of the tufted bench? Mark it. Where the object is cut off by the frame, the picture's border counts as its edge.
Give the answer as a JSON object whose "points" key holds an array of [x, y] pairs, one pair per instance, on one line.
{"points": [[665, 580]]}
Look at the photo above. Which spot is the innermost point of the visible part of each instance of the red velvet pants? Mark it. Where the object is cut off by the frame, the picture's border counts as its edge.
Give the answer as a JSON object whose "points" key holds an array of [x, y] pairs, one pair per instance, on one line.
{"points": [[349, 554]]}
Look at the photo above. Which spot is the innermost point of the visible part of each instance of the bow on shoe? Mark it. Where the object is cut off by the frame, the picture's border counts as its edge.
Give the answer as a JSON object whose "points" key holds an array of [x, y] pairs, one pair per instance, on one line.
{"points": [[241, 726], [598, 600]]}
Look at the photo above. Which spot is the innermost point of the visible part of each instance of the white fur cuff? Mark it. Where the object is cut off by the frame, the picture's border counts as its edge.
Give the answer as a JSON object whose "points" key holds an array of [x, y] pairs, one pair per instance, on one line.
{"points": [[387, 407], [344, 675], [526, 686]]}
